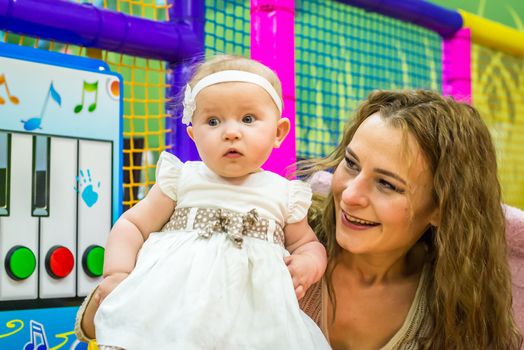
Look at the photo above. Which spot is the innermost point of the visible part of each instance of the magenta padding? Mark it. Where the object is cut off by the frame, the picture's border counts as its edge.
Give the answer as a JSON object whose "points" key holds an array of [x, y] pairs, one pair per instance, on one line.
{"points": [[273, 43], [456, 66]]}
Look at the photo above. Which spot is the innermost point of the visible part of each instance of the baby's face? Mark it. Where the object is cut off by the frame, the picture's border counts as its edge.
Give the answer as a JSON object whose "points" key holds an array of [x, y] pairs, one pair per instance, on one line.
{"points": [[235, 126]]}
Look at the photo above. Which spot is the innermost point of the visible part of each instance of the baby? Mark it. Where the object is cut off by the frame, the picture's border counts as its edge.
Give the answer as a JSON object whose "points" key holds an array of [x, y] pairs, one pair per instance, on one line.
{"points": [[225, 247]]}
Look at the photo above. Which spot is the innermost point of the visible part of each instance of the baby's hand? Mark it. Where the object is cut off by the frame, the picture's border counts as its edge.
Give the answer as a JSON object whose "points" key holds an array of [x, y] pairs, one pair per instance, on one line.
{"points": [[107, 285], [303, 269]]}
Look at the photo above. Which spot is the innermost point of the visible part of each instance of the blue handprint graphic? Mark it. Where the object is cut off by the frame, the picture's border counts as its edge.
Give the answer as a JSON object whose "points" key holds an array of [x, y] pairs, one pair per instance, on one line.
{"points": [[86, 188]]}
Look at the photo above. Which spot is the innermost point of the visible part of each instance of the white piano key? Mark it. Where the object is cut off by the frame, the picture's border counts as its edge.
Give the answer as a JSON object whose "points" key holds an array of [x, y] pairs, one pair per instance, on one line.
{"points": [[94, 204], [59, 228], [20, 228]]}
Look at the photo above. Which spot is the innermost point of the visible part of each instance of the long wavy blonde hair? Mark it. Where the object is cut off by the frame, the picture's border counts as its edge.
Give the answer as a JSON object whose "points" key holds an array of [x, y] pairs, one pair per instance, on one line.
{"points": [[469, 296]]}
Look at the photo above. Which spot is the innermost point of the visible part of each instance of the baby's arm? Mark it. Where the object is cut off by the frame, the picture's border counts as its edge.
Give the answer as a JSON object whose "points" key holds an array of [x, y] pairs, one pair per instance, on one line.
{"points": [[308, 260], [130, 232], [124, 241]]}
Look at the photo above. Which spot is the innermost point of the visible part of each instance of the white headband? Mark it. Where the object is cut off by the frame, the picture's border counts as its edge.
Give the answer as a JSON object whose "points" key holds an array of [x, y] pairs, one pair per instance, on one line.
{"points": [[223, 77]]}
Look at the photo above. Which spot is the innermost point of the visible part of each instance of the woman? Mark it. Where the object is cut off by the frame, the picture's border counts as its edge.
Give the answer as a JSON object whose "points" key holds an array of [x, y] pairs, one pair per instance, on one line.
{"points": [[414, 231]]}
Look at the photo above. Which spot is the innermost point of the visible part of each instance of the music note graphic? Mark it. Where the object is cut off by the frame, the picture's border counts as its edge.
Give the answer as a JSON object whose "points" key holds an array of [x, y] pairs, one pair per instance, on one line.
{"points": [[37, 331], [35, 122], [14, 100], [88, 87]]}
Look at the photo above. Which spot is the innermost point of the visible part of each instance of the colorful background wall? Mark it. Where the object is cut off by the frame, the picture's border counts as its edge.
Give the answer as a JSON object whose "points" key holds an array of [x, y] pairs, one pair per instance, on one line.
{"points": [[498, 91], [329, 54]]}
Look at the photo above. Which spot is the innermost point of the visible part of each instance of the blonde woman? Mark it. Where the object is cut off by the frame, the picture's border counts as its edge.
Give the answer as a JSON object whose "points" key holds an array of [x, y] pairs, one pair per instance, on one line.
{"points": [[414, 231]]}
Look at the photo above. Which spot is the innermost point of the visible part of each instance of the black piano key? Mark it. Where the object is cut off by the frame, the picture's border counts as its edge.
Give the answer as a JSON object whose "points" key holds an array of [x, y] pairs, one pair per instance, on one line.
{"points": [[41, 152], [5, 151]]}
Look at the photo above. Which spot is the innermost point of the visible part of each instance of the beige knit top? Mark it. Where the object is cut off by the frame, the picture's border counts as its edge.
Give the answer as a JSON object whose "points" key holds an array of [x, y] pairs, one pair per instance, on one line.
{"points": [[416, 326]]}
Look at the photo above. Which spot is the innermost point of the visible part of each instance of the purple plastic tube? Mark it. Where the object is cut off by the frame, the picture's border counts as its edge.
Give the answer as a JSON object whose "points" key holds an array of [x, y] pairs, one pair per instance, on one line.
{"points": [[190, 14], [425, 14], [89, 26]]}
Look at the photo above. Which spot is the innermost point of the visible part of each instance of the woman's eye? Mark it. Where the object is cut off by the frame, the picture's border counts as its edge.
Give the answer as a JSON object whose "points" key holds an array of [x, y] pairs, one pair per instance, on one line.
{"points": [[350, 164], [248, 119], [213, 122], [389, 186]]}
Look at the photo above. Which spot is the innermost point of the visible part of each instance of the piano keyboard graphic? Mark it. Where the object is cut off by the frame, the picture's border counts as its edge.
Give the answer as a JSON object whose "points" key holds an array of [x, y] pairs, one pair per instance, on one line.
{"points": [[55, 214]]}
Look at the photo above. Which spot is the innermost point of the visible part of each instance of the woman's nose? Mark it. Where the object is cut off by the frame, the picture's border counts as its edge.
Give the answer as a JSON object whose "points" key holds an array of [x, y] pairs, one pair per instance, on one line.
{"points": [[356, 192]]}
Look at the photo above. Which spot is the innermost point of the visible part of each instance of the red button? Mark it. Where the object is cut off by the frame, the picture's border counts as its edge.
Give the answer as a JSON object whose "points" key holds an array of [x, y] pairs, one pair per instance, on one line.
{"points": [[59, 262]]}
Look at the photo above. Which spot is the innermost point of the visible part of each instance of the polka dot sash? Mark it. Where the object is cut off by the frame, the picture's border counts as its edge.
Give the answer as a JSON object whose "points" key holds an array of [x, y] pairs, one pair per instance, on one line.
{"points": [[234, 224]]}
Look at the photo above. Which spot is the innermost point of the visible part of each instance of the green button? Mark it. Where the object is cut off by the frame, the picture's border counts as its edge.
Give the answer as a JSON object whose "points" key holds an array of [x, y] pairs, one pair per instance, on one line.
{"points": [[93, 261], [20, 262]]}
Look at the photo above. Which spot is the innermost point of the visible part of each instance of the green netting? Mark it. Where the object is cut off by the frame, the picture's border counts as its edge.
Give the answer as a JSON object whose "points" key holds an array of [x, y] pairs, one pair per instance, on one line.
{"points": [[227, 27], [498, 93], [343, 53]]}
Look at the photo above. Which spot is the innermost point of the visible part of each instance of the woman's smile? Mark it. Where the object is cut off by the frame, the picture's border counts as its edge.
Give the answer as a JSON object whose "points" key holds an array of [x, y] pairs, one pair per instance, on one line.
{"points": [[356, 223]]}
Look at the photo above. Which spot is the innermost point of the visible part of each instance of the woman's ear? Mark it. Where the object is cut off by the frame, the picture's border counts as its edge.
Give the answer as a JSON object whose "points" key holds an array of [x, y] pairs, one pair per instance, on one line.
{"points": [[283, 127], [434, 219], [189, 131]]}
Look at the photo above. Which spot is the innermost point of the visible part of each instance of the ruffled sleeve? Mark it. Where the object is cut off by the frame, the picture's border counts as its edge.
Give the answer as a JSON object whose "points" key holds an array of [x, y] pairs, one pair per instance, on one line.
{"points": [[168, 171], [299, 201]]}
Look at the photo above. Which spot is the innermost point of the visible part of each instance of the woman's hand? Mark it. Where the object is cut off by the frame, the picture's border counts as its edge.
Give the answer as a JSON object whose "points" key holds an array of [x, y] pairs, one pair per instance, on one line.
{"points": [[107, 285], [101, 292], [304, 271]]}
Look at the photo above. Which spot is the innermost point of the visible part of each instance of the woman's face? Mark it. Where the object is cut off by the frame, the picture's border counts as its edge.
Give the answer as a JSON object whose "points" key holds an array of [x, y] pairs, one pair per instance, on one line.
{"points": [[382, 193]]}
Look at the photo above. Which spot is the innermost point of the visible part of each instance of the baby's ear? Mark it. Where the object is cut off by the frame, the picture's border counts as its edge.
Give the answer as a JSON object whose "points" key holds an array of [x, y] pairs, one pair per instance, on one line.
{"points": [[189, 131], [283, 127]]}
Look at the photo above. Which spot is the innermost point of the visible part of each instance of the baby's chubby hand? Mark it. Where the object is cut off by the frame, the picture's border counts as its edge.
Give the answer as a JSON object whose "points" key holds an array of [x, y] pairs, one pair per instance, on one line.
{"points": [[107, 285], [304, 272]]}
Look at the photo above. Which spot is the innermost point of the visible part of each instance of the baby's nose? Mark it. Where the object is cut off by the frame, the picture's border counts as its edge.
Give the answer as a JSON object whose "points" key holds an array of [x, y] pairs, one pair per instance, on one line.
{"points": [[232, 132]]}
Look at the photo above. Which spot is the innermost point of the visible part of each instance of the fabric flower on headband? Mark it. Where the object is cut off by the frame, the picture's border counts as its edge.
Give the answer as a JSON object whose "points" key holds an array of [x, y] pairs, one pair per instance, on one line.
{"points": [[189, 105]]}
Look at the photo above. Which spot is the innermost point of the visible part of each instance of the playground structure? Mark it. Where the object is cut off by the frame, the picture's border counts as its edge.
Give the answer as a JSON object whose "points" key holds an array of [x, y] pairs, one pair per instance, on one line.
{"points": [[328, 54]]}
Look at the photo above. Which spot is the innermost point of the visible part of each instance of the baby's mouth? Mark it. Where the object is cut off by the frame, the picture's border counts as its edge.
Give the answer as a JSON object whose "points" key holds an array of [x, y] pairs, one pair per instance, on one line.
{"points": [[232, 153]]}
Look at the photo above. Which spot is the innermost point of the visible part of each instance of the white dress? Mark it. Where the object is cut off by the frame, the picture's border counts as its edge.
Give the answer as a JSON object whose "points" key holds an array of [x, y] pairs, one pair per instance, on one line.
{"points": [[200, 285]]}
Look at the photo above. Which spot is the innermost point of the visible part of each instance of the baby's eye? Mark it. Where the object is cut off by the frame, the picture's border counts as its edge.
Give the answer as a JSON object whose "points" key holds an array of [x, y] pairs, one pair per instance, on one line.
{"points": [[213, 121], [248, 119]]}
